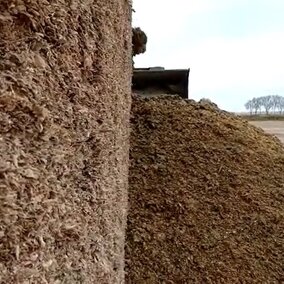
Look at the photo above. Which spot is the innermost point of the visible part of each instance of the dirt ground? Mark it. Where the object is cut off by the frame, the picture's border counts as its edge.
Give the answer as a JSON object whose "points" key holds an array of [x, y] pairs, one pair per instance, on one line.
{"points": [[272, 127]]}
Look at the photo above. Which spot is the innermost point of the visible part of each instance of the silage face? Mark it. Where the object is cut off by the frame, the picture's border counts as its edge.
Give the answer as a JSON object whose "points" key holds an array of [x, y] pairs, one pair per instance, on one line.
{"points": [[64, 112]]}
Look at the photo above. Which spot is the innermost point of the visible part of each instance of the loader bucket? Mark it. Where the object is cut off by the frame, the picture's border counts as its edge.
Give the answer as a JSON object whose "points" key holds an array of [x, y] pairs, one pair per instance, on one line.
{"points": [[156, 80]]}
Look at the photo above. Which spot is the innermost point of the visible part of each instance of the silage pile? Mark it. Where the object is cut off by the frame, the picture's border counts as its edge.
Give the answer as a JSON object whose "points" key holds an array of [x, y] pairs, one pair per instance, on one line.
{"points": [[206, 197], [65, 73]]}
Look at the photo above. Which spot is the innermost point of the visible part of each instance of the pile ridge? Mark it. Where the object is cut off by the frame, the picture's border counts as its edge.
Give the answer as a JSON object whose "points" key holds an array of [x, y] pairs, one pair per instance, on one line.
{"points": [[206, 196]]}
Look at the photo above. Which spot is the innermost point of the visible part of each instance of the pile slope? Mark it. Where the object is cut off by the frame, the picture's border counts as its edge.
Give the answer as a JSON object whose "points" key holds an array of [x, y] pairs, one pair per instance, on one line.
{"points": [[65, 73], [206, 196]]}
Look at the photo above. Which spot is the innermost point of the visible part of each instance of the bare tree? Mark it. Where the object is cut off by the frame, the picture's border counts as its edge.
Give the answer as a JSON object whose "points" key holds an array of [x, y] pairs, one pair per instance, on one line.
{"points": [[276, 103], [256, 105], [270, 103], [281, 105], [267, 102], [249, 106]]}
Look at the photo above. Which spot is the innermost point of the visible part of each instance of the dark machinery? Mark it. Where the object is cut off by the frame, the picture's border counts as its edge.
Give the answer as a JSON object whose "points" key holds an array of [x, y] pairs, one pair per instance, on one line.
{"points": [[156, 81]]}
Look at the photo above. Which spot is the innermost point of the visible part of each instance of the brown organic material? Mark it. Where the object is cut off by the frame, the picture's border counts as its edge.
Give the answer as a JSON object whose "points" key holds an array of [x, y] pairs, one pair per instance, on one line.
{"points": [[206, 197], [65, 74], [139, 41]]}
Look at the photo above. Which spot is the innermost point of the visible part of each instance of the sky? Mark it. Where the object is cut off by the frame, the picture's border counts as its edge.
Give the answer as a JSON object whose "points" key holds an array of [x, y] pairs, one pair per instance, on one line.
{"points": [[234, 48]]}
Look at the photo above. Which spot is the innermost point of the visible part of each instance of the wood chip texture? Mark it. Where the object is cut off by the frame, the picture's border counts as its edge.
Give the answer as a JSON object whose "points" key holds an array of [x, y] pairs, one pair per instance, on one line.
{"points": [[206, 196], [65, 94]]}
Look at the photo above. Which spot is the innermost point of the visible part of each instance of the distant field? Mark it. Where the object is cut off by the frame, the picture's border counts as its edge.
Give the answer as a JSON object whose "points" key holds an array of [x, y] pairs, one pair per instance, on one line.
{"points": [[275, 127], [262, 117]]}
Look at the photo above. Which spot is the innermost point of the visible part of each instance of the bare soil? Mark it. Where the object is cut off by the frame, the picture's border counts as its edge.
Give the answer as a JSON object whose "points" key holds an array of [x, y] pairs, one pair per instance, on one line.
{"points": [[206, 197], [273, 127]]}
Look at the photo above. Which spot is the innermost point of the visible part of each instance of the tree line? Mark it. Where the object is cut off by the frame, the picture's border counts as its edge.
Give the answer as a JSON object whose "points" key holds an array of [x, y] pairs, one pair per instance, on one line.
{"points": [[268, 104]]}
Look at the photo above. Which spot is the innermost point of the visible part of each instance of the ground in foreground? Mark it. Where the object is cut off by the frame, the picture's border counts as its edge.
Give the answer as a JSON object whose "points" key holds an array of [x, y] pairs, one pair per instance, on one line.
{"points": [[275, 127]]}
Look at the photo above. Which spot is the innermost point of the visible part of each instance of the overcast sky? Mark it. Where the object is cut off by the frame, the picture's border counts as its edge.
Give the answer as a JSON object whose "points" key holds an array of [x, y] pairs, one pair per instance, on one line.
{"points": [[234, 48]]}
